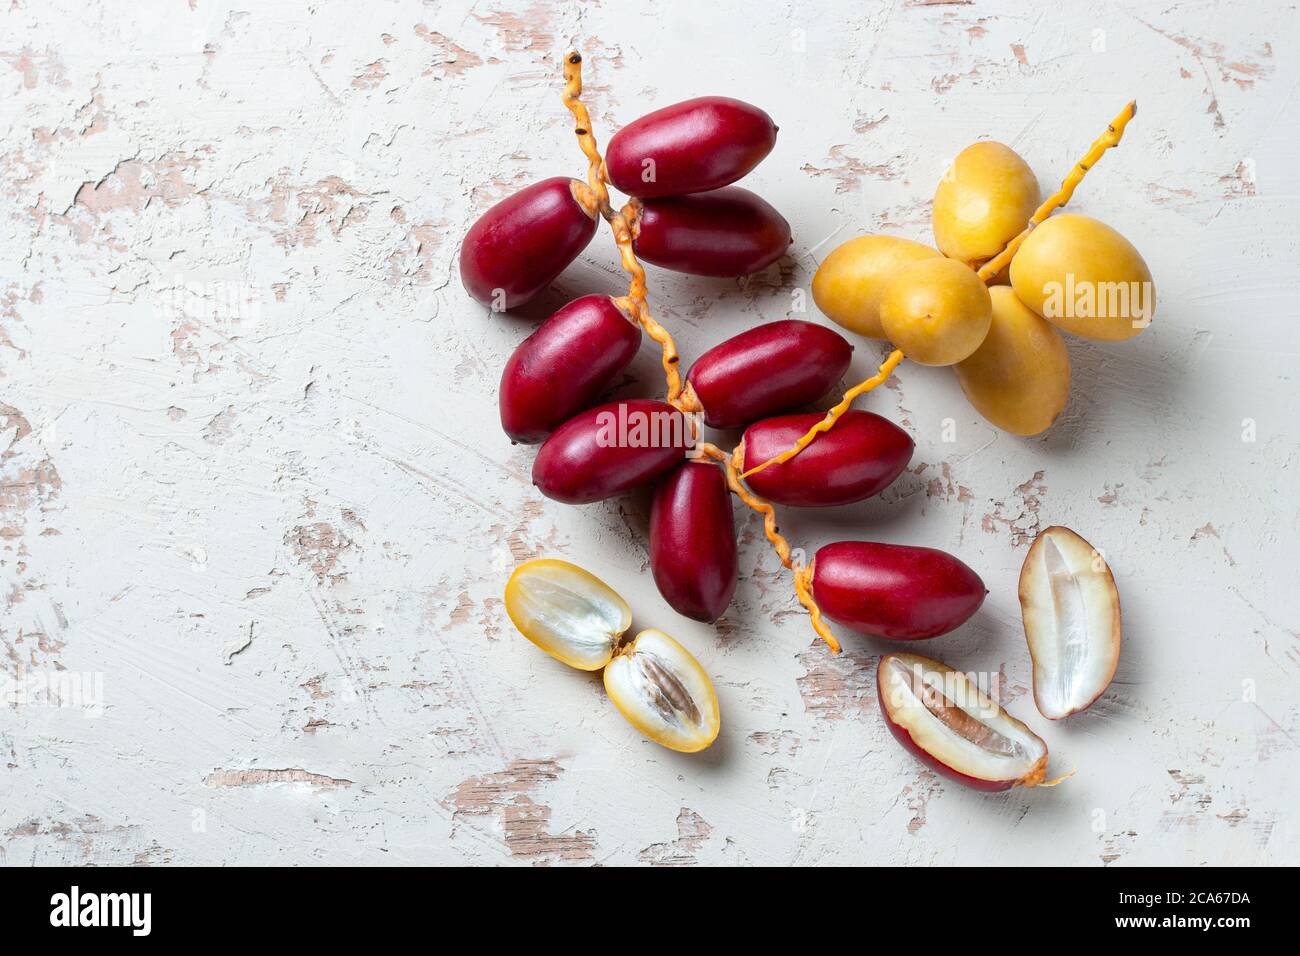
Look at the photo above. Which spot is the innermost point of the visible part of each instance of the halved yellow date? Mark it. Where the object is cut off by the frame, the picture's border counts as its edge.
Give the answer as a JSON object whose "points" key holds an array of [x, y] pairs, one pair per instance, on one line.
{"points": [[664, 692], [569, 613]]}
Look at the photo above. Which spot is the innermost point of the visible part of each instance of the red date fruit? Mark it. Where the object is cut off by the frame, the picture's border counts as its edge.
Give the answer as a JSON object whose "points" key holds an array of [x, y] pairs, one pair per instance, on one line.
{"points": [[518, 246], [693, 541], [564, 366], [726, 232], [610, 449], [690, 147], [858, 458], [893, 590], [952, 727], [770, 368]]}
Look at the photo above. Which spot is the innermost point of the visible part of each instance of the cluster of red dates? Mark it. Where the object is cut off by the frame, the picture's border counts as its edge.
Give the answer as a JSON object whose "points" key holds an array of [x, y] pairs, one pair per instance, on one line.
{"points": [[679, 165]]}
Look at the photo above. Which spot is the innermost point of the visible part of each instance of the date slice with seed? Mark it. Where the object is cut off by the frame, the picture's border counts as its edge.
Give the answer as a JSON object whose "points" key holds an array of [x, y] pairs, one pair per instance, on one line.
{"points": [[1070, 609], [951, 726], [664, 692], [569, 613]]}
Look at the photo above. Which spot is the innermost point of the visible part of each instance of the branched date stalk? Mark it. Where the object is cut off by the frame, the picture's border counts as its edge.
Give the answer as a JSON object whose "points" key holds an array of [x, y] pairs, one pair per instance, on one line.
{"points": [[1114, 133], [1110, 138], [621, 223], [731, 464]]}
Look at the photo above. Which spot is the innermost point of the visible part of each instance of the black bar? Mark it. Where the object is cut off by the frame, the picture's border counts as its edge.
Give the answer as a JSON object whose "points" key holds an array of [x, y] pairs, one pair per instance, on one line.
{"points": [[351, 904]]}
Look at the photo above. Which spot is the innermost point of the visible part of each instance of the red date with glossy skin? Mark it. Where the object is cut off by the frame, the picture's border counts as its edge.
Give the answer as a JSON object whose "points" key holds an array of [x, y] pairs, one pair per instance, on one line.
{"points": [[858, 458], [693, 541], [523, 242], [689, 147], [770, 368], [894, 591], [564, 366], [726, 232], [610, 449]]}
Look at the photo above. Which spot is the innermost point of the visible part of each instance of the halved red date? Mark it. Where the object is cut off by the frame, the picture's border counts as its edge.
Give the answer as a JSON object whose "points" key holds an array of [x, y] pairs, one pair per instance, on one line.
{"points": [[952, 727]]}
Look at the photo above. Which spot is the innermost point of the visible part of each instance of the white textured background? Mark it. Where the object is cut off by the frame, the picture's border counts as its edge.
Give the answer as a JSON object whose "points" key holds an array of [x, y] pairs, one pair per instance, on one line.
{"points": [[251, 476]]}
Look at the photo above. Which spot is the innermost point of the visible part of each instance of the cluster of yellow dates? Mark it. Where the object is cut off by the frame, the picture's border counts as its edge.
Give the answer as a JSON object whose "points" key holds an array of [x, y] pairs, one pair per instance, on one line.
{"points": [[1070, 273], [580, 620]]}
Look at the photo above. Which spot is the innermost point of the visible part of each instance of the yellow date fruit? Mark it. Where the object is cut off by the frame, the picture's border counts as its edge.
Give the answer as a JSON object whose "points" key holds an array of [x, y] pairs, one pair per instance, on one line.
{"points": [[847, 285], [1019, 378], [984, 200], [569, 613], [1085, 278], [936, 310], [664, 692]]}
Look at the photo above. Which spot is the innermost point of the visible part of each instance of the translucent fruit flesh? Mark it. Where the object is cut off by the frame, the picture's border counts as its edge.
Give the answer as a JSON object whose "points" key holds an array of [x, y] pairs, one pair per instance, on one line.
{"points": [[569, 613], [954, 728], [664, 692], [1070, 608]]}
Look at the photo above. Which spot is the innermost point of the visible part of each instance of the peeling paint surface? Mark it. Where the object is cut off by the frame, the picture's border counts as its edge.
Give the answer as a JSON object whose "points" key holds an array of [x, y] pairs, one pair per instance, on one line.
{"points": [[256, 510]]}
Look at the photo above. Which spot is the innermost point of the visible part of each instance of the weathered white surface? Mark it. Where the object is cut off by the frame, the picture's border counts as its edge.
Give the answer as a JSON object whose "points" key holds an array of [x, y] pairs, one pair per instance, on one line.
{"points": [[275, 517]]}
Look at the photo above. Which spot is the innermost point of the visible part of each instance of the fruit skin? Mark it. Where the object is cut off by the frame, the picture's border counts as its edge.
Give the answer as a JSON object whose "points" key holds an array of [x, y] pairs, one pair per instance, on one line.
{"points": [[904, 737], [767, 369], [723, 233], [693, 541], [586, 459], [858, 458], [936, 310], [848, 283], [894, 591], [524, 241], [1019, 378], [697, 145], [1071, 256], [584, 646], [564, 365], [983, 202]]}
